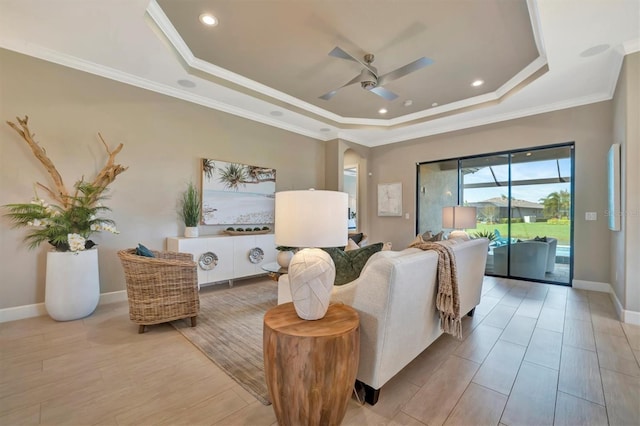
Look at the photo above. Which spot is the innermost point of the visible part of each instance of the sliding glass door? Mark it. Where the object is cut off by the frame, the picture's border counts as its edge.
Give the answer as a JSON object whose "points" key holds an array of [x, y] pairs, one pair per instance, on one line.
{"points": [[523, 201]]}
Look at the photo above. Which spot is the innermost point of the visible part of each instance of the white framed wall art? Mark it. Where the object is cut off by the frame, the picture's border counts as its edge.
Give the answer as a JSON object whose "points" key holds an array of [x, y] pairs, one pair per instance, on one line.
{"points": [[390, 199]]}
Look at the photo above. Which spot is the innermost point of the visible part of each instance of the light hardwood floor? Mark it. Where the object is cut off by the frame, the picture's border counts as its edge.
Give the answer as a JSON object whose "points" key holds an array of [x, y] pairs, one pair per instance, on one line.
{"points": [[533, 354]]}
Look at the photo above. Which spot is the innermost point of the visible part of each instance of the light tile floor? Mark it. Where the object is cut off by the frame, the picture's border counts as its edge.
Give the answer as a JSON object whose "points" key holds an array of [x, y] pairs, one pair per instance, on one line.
{"points": [[533, 354]]}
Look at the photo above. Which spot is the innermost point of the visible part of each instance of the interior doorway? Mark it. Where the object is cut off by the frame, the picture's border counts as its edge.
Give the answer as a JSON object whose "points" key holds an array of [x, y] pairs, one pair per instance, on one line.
{"points": [[350, 186]]}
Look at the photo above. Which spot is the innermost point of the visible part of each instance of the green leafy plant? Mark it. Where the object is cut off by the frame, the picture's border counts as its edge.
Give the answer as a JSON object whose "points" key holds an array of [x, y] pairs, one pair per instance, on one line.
{"points": [[71, 218], [490, 235], [67, 229], [190, 206]]}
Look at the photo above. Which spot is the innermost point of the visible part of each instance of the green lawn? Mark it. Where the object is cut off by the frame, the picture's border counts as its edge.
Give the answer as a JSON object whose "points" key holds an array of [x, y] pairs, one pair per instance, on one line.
{"points": [[527, 231]]}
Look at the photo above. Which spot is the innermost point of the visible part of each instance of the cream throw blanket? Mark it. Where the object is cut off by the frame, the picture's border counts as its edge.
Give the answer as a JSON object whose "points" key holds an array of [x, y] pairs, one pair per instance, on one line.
{"points": [[447, 299]]}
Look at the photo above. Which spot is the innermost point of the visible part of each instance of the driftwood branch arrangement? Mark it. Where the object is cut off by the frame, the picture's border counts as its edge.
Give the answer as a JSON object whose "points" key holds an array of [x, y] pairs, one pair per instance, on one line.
{"points": [[61, 194]]}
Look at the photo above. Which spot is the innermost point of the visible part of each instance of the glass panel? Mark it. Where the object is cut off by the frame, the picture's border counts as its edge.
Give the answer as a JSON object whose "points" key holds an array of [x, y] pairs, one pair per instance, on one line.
{"points": [[523, 203], [540, 214], [485, 186], [437, 188]]}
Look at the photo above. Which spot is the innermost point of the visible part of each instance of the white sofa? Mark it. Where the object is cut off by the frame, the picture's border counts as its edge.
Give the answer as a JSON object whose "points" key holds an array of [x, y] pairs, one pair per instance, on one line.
{"points": [[395, 298]]}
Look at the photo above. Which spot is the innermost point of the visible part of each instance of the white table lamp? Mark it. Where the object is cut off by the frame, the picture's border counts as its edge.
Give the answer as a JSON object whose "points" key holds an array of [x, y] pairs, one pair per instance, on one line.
{"points": [[311, 219], [459, 218]]}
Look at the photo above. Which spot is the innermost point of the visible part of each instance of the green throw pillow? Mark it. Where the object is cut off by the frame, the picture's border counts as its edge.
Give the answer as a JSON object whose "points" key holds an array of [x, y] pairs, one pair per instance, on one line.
{"points": [[143, 251], [349, 264]]}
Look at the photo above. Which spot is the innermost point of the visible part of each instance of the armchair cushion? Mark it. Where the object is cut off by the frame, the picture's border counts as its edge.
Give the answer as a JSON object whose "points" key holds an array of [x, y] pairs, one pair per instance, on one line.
{"points": [[143, 251], [349, 264]]}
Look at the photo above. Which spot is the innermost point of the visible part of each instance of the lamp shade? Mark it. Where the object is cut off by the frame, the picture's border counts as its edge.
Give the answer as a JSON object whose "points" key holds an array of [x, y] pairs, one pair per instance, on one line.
{"points": [[311, 218], [458, 217]]}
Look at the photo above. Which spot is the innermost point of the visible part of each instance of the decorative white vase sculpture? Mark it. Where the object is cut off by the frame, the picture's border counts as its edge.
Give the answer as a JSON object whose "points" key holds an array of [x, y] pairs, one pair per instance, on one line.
{"points": [[72, 284], [311, 277], [191, 232], [284, 258]]}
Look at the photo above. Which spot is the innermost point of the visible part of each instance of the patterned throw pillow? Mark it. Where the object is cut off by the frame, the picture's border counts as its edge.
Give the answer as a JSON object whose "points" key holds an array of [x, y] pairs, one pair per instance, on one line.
{"points": [[357, 238], [437, 237], [143, 251], [351, 245], [349, 264]]}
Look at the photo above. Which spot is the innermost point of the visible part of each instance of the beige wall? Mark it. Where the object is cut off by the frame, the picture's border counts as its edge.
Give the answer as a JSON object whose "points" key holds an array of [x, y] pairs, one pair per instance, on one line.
{"points": [[164, 140], [589, 126], [625, 243]]}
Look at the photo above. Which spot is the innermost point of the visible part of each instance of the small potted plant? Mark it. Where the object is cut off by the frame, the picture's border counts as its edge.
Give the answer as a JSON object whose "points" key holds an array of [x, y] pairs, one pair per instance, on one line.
{"points": [[190, 210], [285, 254]]}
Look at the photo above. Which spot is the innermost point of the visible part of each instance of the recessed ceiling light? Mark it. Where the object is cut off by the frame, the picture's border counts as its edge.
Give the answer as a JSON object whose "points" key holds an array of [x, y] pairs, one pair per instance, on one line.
{"points": [[277, 113], [325, 129], [528, 154], [209, 19], [592, 51], [186, 83], [382, 111], [477, 83], [435, 104], [408, 102]]}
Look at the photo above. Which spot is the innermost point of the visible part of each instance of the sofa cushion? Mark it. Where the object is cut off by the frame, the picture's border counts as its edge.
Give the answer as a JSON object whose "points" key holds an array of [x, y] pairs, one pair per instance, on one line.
{"points": [[349, 264], [436, 237], [421, 238], [351, 245], [356, 237]]}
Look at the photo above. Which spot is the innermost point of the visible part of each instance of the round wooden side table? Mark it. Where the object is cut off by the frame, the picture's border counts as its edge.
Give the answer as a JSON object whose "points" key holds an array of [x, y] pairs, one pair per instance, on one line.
{"points": [[311, 366]]}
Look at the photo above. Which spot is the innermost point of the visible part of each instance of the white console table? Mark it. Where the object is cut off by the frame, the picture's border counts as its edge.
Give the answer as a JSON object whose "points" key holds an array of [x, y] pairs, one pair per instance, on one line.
{"points": [[225, 258]]}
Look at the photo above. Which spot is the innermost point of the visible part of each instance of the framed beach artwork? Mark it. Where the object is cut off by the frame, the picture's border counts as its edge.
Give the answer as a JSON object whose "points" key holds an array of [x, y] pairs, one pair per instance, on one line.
{"points": [[237, 194]]}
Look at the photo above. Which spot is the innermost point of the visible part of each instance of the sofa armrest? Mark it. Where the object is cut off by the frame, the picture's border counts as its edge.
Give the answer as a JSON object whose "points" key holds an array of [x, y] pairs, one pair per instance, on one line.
{"points": [[395, 298]]}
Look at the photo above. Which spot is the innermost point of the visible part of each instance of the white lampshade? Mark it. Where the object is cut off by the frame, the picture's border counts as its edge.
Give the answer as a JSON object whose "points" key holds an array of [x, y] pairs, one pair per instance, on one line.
{"points": [[458, 217], [311, 218]]}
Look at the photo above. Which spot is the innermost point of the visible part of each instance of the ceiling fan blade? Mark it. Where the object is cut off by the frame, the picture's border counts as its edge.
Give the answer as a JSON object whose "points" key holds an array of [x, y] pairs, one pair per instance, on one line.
{"points": [[339, 53], [384, 93], [328, 95], [402, 71], [332, 93]]}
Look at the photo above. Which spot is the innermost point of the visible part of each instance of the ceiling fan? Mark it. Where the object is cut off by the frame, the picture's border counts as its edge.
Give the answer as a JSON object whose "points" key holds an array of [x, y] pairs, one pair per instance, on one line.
{"points": [[369, 78]]}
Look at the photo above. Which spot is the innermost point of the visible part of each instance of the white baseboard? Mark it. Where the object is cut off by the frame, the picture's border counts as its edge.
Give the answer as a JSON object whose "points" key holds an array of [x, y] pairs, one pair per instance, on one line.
{"points": [[38, 309], [22, 312], [112, 297], [631, 317], [592, 285]]}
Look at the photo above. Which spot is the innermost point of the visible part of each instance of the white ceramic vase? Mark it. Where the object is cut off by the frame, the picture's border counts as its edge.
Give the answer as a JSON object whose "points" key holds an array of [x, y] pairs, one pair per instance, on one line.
{"points": [[72, 284], [284, 258], [191, 232], [311, 276]]}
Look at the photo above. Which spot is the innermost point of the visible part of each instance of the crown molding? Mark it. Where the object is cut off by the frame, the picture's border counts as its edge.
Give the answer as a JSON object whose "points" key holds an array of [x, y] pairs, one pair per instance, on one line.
{"points": [[164, 25], [417, 133], [49, 55]]}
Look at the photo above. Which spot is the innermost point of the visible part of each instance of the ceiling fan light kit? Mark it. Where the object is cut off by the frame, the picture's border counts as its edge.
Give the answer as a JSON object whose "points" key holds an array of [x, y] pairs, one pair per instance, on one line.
{"points": [[369, 78]]}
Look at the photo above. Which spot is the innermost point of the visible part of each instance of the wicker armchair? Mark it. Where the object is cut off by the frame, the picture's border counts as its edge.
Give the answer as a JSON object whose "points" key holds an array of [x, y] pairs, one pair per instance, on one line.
{"points": [[162, 288]]}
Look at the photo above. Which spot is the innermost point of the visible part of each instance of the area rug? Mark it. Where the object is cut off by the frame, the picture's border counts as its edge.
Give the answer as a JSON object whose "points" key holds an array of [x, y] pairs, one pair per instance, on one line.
{"points": [[229, 330]]}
